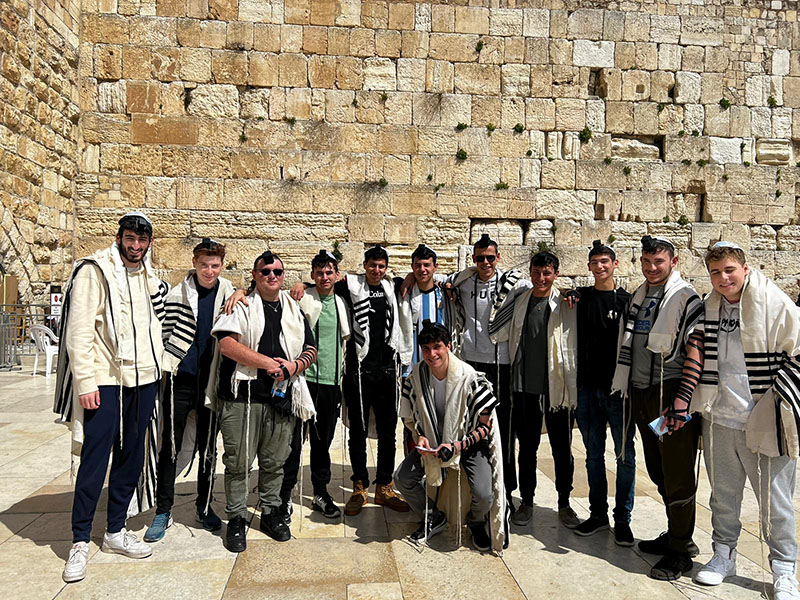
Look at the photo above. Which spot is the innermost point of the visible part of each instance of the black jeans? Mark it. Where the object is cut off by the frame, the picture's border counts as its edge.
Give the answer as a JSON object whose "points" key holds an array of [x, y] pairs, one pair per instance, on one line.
{"points": [[327, 400], [502, 391], [379, 393], [670, 461], [527, 420], [188, 397]]}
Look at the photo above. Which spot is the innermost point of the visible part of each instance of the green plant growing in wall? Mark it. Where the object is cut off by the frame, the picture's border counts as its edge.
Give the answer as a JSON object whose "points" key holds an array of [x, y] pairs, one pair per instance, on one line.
{"points": [[778, 193], [518, 128], [702, 162], [695, 133], [529, 153], [243, 137], [612, 238], [683, 220], [626, 170], [681, 133], [771, 102], [479, 46], [461, 126], [384, 97], [290, 120], [724, 177], [585, 135], [430, 177], [355, 102], [665, 219], [337, 252], [438, 187], [660, 107], [724, 103], [686, 162], [542, 247], [382, 182], [607, 160], [490, 128], [461, 154], [501, 186], [746, 163]]}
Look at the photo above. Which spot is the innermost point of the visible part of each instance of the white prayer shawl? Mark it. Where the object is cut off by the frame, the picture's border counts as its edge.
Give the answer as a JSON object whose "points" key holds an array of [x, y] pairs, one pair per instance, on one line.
{"points": [[393, 335], [677, 315], [251, 323], [311, 306], [118, 320], [468, 393], [409, 309], [562, 344], [770, 331]]}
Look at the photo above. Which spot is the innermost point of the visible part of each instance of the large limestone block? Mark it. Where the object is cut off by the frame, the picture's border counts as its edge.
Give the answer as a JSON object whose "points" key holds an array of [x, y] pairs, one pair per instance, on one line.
{"points": [[644, 205], [630, 149], [725, 150], [558, 174], [214, 101], [516, 80], [665, 29], [477, 79], [702, 31], [505, 21], [503, 232], [585, 23], [380, 74], [687, 87], [453, 47], [536, 22], [472, 19], [773, 151], [576, 204], [586, 53]]}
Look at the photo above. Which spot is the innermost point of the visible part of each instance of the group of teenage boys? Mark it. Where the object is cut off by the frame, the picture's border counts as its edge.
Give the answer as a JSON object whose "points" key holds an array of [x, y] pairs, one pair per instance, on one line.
{"points": [[473, 363]]}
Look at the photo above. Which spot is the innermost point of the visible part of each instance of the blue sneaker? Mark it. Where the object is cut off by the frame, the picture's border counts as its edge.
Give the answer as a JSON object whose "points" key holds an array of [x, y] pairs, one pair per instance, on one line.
{"points": [[159, 527]]}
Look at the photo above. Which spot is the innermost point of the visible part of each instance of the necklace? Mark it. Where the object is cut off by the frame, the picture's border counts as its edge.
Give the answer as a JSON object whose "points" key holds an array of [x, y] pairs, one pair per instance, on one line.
{"points": [[273, 305]]}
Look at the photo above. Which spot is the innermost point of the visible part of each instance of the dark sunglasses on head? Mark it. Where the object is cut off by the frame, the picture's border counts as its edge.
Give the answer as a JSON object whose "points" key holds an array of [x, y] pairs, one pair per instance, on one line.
{"points": [[487, 257], [276, 272]]}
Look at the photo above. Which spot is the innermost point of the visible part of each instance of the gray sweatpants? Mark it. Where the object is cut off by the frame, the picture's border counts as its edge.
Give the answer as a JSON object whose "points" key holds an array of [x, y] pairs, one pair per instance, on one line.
{"points": [[270, 440], [408, 480], [731, 461]]}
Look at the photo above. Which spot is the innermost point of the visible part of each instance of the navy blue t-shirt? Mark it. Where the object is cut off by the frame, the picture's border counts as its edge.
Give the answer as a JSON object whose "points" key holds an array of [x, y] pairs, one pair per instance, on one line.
{"points": [[198, 358]]}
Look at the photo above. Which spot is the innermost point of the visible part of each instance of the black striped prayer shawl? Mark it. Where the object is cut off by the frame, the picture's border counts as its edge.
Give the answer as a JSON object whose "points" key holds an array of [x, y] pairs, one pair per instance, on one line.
{"points": [[770, 331], [470, 388]]}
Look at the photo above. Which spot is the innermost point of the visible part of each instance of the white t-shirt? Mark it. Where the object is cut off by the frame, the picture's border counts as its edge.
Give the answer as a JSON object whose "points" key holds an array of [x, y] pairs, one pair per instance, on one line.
{"points": [[439, 398], [734, 401]]}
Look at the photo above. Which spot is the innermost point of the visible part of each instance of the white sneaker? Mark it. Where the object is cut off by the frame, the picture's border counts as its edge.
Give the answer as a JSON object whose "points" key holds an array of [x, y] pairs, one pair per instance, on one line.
{"points": [[75, 569], [784, 582], [126, 544], [721, 565]]}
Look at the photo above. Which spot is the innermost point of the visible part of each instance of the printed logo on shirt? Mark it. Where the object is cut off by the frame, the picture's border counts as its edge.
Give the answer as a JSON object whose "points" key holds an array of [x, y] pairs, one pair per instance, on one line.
{"points": [[483, 293], [645, 323], [728, 325], [377, 293]]}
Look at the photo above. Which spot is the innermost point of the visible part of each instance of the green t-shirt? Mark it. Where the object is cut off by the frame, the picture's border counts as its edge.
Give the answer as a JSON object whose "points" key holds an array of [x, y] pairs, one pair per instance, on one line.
{"points": [[327, 369]]}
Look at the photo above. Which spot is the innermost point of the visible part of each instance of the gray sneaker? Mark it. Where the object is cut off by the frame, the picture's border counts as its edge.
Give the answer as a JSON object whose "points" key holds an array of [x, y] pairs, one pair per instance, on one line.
{"points": [[523, 514]]}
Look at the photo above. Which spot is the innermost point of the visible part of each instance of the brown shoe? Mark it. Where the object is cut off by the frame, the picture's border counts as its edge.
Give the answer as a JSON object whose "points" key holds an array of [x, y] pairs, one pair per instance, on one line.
{"points": [[357, 500], [385, 495]]}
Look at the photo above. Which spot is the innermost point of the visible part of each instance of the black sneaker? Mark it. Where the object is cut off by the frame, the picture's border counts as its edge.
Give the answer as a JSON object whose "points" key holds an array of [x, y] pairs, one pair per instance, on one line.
{"points": [[274, 526], [286, 509], [325, 504], [591, 526], [209, 519], [659, 546], [480, 539], [235, 536], [437, 521], [672, 566], [623, 536]]}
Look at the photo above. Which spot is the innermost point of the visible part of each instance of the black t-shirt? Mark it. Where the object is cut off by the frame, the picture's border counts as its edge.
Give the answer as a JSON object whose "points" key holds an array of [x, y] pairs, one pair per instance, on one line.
{"points": [[599, 312], [380, 355], [200, 353], [268, 345]]}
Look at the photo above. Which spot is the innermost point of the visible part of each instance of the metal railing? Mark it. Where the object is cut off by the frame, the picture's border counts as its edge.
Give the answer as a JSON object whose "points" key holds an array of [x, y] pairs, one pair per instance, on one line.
{"points": [[15, 324]]}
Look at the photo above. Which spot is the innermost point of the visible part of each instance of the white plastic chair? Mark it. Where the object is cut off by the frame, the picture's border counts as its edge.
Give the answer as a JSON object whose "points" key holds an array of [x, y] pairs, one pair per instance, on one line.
{"points": [[46, 343]]}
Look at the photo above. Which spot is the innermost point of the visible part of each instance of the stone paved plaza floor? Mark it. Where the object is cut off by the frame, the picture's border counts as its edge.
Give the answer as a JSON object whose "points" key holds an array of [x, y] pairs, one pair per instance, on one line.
{"points": [[364, 557]]}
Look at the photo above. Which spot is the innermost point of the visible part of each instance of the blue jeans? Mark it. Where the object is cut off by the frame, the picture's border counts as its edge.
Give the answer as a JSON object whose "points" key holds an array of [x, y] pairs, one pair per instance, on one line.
{"points": [[595, 410]]}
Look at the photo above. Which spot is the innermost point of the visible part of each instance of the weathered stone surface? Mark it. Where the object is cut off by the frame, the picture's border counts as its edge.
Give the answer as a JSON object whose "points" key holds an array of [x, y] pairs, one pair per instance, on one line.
{"points": [[725, 150], [773, 152], [587, 53], [630, 149]]}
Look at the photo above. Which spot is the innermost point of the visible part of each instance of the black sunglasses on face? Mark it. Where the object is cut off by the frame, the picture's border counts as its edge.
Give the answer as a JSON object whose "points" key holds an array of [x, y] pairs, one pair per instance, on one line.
{"points": [[276, 272], [487, 257]]}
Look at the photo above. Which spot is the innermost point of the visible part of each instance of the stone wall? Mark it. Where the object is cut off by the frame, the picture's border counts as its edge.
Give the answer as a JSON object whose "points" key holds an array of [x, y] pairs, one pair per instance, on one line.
{"points": [[38, 140], [297, 123]]}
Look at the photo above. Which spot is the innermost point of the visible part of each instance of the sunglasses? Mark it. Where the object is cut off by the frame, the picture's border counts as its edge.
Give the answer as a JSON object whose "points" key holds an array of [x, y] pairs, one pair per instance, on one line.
{"points": [[276, 272], [490, 258]]}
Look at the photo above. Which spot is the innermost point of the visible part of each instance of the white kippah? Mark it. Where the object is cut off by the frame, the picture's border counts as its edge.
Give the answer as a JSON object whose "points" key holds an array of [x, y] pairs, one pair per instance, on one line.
{"points": [[137, 213], [724, 244]]}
